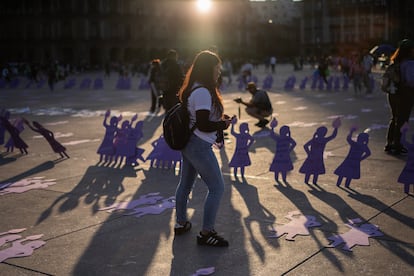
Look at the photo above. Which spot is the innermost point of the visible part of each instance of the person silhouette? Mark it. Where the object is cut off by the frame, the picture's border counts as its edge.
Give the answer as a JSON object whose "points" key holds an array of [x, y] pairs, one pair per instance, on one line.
{"points": [[162, 156], [14, 130], [122, 151], [244, 140], [49, 136], [315, 147], [350, 168], [134, 136], [407, 174], [6, 114], [106, 150], [284, 145]]}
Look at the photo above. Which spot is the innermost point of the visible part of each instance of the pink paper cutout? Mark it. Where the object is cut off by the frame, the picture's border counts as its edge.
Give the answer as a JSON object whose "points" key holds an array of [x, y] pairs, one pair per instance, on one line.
{"points": [[284, 145], [315, 147], [22, 248], [10, 236], [204, 271], [350, 168], [27, 184], [244, 140], [150, 198], [13, 231], [298, 225], [358, 235], [167, 203]]}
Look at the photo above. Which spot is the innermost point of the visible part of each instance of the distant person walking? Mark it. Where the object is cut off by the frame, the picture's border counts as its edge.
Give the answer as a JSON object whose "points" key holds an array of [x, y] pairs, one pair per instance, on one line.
{"points": [[154, 80], [172, 79]]}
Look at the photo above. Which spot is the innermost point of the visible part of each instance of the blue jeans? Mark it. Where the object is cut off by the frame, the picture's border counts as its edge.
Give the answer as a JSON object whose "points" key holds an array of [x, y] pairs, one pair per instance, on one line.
{"points": [[198, 158]]}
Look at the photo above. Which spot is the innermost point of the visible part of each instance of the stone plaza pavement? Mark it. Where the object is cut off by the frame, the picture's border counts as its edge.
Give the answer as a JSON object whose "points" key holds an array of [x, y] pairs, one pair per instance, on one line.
{"points": [[80, 239]]}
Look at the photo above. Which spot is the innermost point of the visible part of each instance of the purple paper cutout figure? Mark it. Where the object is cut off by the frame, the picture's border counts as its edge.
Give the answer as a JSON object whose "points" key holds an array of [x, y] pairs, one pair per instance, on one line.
{"points": [[162, 156], [298, 225], [98, 84], [85, 84], [407, 174], [284, 145], [204, 271], [134, 135], [14, 83], [315, 147], [268, 82], [337, 83], [315, 78], [26, 184], [346, 83], [156, 209], [321, 83], [123, 149], [358, 235], [350, 168], [150, 198], [49, 136], [244, 140], [14, 130], [303, 83], [22, 248], [70, 83], [6, 115], [290, 83], [106, 150]]}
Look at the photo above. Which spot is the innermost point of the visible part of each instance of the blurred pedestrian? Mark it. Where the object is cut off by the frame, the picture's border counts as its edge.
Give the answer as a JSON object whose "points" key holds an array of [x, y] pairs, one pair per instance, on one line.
{"points": [[172, 75], [154, 80], [402, 101], [356, 74], [367, 63]]}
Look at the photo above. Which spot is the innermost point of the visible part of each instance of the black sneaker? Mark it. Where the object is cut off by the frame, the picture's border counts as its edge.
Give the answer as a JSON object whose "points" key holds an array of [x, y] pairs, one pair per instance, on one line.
{"points": [[212, 239], [388, 148], [400, 151], [181, 229]]}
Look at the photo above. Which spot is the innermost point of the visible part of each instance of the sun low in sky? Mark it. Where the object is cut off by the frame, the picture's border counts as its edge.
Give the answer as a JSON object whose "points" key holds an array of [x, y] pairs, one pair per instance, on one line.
{"points": [[204, 5]]}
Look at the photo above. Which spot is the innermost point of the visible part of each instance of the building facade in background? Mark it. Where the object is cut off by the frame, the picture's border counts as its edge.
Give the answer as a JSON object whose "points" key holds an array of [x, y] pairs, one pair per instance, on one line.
{"points": [[94, 32]]}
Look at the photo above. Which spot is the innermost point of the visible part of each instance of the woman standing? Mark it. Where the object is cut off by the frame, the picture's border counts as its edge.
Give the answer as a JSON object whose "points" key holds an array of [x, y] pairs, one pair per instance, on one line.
{"points": [[199, 92]]}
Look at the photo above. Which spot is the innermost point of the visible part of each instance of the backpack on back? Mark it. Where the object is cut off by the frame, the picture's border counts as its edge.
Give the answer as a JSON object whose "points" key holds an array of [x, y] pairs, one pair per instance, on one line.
{"points": [[390, 79], [176, 126]]}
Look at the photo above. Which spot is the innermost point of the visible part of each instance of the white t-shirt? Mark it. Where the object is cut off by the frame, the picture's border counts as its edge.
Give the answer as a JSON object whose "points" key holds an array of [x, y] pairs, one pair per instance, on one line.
{"points": [[200, 99]]}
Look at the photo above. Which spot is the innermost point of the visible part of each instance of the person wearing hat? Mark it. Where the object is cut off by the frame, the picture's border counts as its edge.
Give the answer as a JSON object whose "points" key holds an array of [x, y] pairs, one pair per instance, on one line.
{"points": [[402, 101], [259, 105]]}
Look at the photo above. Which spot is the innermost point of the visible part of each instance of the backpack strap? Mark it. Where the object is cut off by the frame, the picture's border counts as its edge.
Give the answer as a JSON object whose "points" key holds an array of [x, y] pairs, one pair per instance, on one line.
{"points": [[185, 104]]}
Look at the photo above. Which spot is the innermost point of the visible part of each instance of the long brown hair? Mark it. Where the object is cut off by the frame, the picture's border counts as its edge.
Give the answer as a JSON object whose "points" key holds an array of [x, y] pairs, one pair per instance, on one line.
{"points": [[202, 72]]}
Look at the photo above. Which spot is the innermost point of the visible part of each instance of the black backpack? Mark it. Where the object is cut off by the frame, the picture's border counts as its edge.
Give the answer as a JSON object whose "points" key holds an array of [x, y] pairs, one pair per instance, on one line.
{"points": [[176, 126]]}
